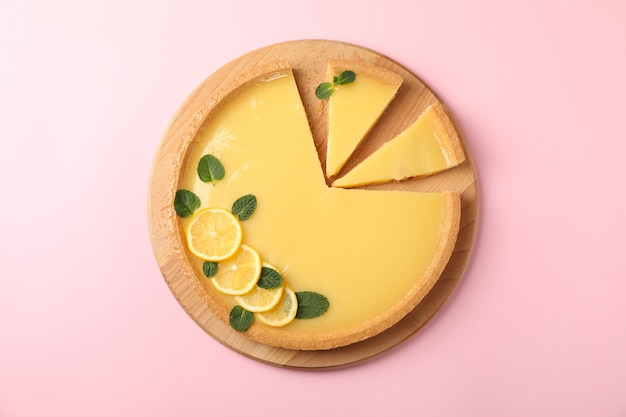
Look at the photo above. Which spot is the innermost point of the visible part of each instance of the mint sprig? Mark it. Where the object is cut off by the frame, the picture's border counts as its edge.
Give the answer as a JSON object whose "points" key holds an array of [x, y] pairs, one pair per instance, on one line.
{"points": [[210, 169], [185, 203], [326, 89], [244, 207], [311, 304], [240, 318]]}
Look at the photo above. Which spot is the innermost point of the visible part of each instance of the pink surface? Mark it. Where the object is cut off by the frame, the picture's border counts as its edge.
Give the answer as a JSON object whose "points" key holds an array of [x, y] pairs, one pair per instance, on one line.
{"points": [[89, 328]]}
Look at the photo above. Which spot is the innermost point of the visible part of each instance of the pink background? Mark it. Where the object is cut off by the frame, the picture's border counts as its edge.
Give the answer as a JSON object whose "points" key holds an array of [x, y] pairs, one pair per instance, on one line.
{"points": [[536, 328]]}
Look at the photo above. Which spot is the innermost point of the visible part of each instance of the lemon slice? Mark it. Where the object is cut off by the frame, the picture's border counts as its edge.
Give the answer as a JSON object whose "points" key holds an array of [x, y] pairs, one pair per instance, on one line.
{"points": [[283, 313], [238, 274], [214, 234], [261, 299]]}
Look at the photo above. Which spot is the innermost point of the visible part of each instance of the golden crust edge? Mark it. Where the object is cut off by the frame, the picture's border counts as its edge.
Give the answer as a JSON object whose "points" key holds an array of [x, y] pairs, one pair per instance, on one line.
{"points": [[336, 66], [447, 133]]}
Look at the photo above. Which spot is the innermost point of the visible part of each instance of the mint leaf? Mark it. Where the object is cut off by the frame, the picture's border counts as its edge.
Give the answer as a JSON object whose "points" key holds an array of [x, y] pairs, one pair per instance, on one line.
{"points": [[185, 203], [324, 90], [240, 318], [210, 169], [345, 77], [311, 305], [209, 269], [270, 278], [244, 207]]}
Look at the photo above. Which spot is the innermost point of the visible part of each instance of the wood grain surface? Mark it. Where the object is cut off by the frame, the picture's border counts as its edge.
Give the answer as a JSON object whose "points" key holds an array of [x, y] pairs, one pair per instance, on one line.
{"points": [[308, 59]]}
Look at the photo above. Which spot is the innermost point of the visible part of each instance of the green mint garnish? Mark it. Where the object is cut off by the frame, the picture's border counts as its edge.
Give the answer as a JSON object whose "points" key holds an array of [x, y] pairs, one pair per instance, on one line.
{"points": [[345, 77], [209, 269], [210, 169], [240, 318], [311, 305], [185, 203], [325, 90], [270, 278], [244, 207]]}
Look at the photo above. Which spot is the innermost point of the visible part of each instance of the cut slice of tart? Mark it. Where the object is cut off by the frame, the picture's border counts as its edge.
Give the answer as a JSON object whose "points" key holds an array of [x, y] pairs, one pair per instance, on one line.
{"points": [[430, 145], [354, 108]]}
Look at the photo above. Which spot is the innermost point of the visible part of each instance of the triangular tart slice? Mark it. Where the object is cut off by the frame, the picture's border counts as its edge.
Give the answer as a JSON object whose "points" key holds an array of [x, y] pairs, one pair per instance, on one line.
{"points": [[430, 145], [354, 108]]}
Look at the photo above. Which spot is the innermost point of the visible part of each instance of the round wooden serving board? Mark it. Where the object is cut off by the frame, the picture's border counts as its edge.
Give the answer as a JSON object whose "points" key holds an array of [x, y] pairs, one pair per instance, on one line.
{"points": [[308, 59]]}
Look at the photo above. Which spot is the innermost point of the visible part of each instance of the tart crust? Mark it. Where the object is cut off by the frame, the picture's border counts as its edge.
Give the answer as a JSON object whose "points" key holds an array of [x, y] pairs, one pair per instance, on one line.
{"points": [[337, 66], [450, 140]]}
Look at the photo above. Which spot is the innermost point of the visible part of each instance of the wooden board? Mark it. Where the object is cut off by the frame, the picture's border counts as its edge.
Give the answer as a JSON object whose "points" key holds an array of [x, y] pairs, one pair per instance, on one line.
{"points": [[309, 59]]}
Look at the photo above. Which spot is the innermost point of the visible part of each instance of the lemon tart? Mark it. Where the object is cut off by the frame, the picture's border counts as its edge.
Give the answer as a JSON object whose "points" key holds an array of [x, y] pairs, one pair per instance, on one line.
{"points": [[372, 262], [261, 323], [355, 107]]}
